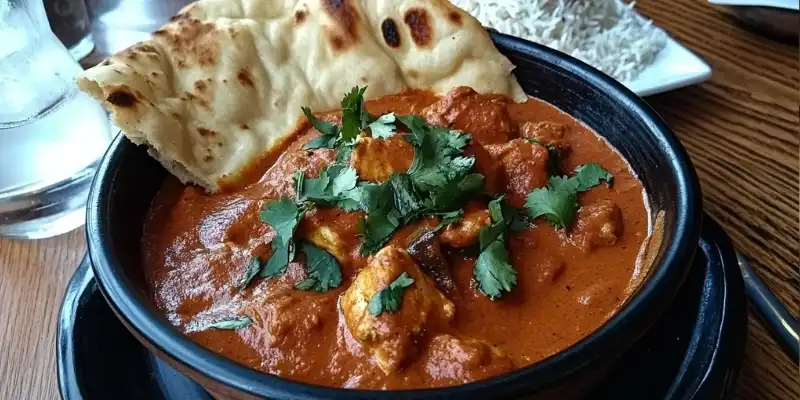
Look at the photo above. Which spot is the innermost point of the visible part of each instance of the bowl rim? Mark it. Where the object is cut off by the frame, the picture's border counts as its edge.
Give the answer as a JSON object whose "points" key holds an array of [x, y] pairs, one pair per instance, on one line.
{"points": [[662, 283]]}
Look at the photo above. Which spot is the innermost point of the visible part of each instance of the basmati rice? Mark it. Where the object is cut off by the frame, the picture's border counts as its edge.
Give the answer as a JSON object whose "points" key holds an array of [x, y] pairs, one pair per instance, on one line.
{"points": [[607, 34]]}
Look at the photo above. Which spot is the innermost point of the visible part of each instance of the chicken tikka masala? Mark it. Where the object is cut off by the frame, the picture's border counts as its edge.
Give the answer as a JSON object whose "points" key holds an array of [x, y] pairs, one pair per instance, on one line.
{"points": [[405, 242]]}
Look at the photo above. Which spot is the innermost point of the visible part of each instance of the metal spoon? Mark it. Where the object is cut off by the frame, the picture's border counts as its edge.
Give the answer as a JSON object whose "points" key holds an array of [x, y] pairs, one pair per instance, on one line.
{"points": [[783, 325]]}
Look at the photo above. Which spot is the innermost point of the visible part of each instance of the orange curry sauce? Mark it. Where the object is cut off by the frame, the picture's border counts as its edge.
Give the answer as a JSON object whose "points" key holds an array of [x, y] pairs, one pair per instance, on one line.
{"points": [[196, 248]]}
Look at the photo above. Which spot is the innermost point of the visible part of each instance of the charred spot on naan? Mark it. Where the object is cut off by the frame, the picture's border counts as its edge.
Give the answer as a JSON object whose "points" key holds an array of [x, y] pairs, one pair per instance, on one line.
{"points": [[420, 26], [122, 98], [191, 42], [192, 98], [206, 132], [300, 16], [346, 19], [390, 34], [454, 17], [244, 78], [145, 48]]}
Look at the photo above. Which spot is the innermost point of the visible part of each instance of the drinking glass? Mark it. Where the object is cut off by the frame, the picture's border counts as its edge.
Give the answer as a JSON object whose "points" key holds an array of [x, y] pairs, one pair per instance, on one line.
{"points": [[51, 134]]}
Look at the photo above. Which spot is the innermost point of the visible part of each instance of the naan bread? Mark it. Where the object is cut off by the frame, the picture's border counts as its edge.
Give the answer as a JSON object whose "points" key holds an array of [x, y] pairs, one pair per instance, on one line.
{"points": [[225, 80]]}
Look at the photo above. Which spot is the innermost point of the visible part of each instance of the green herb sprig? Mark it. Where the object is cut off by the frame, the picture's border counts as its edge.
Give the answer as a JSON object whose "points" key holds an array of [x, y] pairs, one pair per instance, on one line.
{"points": [[558, 201], [493, 271], [390, 298]]}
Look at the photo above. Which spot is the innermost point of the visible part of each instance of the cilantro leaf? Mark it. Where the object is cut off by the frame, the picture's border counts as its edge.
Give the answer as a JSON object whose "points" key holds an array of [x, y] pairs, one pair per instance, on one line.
{"points": [[253, 268], [282, 215], [343, 179], [590, 175], [390, 298], [329, 132], [324, 127], [282, 255], [448, 218], [376, 230], [388, 205], [335, 186], [355, 118], [492, 270], [324, 271], [350, 201], [563, 183], [496, 209], [343, 154], [383, 127], [320, 142], [438, 163], [230, 323], [375, 197], [455, 193], [558, 202], [311, 188], [354, 115], [417, 128], [405, 198]]}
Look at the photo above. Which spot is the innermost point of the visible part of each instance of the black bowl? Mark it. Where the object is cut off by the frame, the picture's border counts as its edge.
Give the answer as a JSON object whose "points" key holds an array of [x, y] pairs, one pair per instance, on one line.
{"points": [[128, 179]]}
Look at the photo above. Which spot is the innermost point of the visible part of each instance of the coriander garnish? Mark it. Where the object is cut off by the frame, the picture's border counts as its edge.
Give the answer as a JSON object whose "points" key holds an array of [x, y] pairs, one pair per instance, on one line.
{"points": [[284, 215], [383, 127], [354, 119], [558, 202], [229, 323], [492, 270], [323, 269], [253, 268], [390, 298]]}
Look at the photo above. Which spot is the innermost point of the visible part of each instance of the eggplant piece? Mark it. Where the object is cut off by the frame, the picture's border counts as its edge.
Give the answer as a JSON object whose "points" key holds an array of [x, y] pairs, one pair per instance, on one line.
{"points": [[427, 253]]}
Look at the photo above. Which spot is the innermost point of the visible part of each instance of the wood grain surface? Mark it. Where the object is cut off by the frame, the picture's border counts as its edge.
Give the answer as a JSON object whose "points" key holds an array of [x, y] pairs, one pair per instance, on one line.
{"points": [[740, 128]]}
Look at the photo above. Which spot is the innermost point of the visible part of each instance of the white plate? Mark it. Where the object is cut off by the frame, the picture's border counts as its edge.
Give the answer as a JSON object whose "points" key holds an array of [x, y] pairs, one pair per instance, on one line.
{"points": [[674, 67], [787, 4]]}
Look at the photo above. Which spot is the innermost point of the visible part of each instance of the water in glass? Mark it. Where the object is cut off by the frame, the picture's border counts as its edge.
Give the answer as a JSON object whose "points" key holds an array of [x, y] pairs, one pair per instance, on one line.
{"points": [[51, 135]]}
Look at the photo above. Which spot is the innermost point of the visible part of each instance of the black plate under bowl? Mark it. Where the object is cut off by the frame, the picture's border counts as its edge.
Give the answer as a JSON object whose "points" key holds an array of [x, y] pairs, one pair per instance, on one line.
{"points": [[693, 352]]}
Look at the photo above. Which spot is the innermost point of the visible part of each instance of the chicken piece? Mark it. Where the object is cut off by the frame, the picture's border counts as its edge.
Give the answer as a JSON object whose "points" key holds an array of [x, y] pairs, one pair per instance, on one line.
{"points": [[483, 116], [451, 360], [598, 224], [286, 316], [486, 166], [464, 233], [376, 159], [525, 167], [546, 132], [391, 339], [332, 229]]}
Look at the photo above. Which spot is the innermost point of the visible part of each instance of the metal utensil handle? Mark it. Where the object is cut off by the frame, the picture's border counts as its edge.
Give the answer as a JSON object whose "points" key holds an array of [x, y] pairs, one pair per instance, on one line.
{"points": [[783, 324]]}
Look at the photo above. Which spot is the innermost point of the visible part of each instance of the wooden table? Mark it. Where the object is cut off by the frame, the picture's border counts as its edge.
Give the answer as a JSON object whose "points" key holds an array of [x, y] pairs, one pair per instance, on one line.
{"points": [[741, 130]]}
